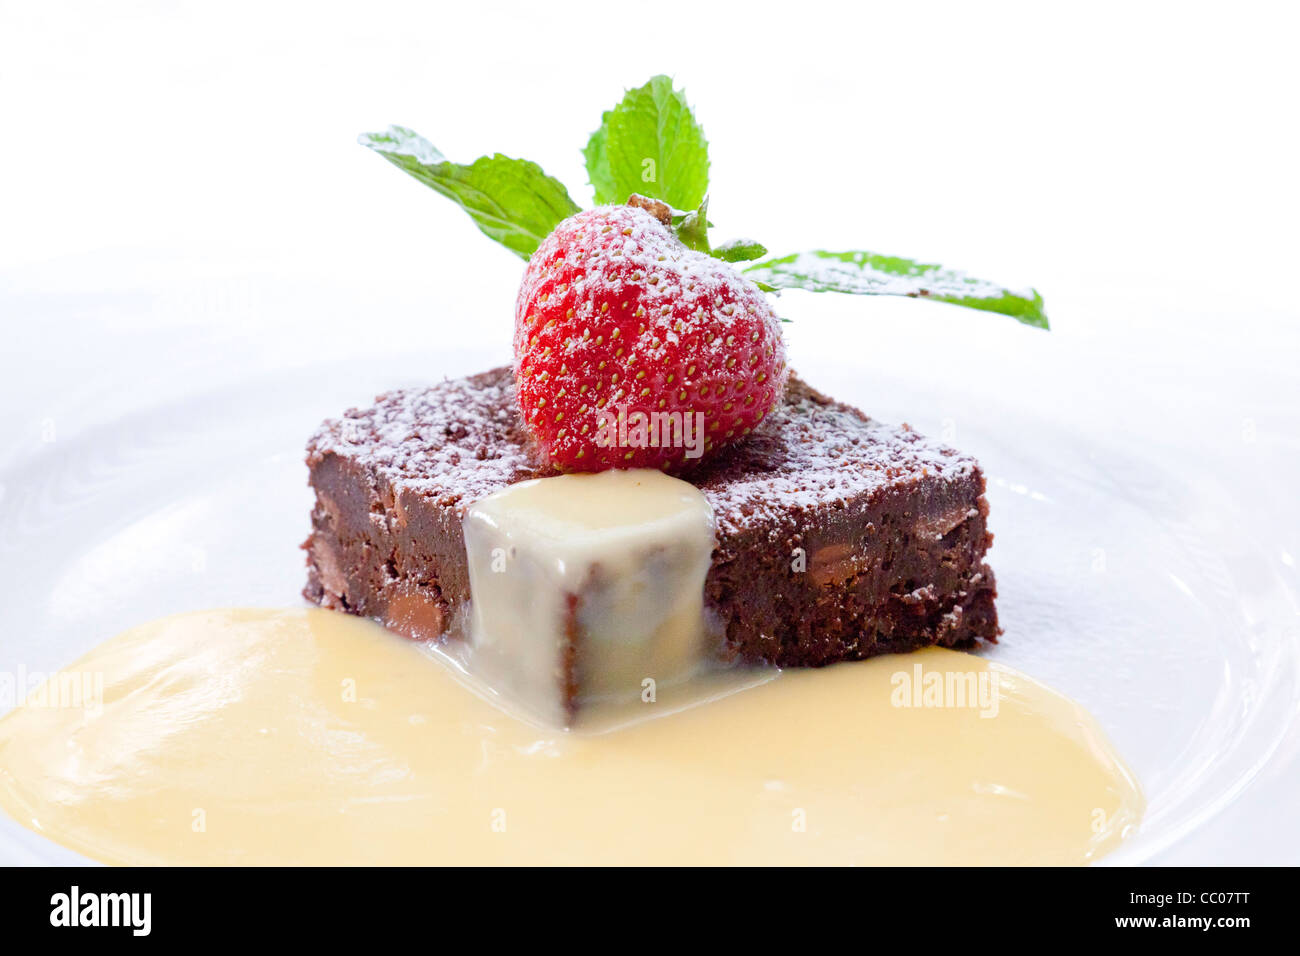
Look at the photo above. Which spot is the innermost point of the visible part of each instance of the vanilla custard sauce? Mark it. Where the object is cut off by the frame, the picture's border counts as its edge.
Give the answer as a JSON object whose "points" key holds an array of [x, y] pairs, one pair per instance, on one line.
{"points": [[313, 737], [308, 736]]}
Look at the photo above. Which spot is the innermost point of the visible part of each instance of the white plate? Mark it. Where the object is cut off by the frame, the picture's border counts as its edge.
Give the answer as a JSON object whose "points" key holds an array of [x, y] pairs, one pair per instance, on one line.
{"points": [[1129, 579]]}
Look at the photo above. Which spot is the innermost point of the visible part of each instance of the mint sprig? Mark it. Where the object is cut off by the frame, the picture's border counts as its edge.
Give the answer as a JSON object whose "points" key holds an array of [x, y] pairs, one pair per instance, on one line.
{"points": [[692, 228], [510, 200], [866, 273], [650, 144], [740, 250]]}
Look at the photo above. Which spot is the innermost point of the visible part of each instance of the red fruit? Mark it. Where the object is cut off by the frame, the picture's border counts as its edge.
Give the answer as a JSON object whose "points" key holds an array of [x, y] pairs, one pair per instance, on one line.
{"points": [[619, 325]]}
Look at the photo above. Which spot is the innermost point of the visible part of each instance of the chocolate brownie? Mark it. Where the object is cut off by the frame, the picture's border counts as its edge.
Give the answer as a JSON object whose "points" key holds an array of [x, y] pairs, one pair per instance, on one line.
{"points": [[837, 537]]}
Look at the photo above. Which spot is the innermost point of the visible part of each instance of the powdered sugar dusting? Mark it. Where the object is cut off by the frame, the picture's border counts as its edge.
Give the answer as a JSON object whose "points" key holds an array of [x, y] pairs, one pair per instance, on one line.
{"points": [[867, 273], [457, 441], [813, 452], [614, 310], [461, 440]]}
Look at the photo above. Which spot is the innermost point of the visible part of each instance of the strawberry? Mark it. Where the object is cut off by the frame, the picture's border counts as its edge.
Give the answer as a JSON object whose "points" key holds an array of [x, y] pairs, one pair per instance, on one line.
{"points": [[633, 351]]}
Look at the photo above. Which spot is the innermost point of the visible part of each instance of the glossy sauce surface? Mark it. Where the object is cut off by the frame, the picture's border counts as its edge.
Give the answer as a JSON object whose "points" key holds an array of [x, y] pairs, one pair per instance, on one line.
{"points": [[306, 736]]}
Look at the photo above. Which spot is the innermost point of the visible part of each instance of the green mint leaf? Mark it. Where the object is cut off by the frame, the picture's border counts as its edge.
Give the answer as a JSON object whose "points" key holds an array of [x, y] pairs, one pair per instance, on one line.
{"points": [[865, 273], [693, 228], [740, 250], [510, 200], [650, 144]]}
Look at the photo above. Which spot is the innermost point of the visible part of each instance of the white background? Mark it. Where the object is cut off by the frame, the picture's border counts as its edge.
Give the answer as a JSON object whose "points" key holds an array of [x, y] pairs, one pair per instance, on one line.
{"points": [[180, 189]]}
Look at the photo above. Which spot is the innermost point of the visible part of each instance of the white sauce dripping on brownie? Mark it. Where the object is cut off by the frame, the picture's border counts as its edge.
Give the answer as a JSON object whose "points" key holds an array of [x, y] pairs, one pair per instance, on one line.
{"points": [[311, 737], [588, 591]]}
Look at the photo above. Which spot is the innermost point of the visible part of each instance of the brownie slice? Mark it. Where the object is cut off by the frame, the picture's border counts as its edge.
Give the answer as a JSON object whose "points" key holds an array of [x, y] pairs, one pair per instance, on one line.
{"points": [[838, 537]]}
